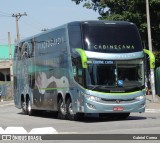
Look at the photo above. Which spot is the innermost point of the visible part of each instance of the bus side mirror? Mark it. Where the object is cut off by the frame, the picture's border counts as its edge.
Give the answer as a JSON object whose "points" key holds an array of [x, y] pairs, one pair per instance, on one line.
{"points": [[151, 58], [83, 57]]}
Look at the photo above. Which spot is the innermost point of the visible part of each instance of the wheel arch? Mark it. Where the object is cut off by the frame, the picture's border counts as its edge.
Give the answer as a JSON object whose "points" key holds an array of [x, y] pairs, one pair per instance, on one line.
{"points": [[23, 99], [68, 96], [27, 97], [59, 96]]}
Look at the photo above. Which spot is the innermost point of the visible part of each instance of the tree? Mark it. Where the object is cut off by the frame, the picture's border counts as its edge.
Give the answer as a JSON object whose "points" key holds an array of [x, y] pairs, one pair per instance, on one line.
{"points": [[133, 11]]}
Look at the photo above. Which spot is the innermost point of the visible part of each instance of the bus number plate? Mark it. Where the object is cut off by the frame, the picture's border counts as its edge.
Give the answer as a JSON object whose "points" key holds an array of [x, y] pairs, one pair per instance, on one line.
{"points": [[117, 108]]}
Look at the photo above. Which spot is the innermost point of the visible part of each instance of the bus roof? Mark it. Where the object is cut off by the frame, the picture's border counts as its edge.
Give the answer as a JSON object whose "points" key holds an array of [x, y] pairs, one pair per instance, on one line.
{"points": [[102, 22], [77, 23]]}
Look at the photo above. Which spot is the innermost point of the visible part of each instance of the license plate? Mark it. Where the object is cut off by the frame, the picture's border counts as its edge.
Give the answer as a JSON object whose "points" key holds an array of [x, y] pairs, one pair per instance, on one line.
{"points": [[117, 108]]}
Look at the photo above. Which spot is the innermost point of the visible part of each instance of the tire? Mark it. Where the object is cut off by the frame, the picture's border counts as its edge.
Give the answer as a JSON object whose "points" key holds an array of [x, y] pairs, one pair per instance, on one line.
{"points": [[61, 109], [71, 115], [24, 108]]}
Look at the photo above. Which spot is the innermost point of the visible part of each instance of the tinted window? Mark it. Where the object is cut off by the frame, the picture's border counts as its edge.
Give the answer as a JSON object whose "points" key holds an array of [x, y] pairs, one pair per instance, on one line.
{"points": [[52, 41], [74, 36], [114, 38], [112, 75]]}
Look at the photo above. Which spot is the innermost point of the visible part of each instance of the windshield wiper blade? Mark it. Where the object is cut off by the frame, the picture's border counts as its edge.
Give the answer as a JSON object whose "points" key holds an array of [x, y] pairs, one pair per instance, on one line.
{"points": [[102, 86], [95, 86]]}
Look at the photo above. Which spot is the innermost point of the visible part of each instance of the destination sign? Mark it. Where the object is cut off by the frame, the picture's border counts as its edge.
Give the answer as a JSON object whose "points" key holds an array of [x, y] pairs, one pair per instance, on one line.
{"points": [[103, 62]]}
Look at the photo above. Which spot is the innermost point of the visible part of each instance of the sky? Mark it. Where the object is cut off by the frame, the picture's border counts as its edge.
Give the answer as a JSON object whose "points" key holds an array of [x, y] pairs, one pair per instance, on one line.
{"points": [[40, 14]]}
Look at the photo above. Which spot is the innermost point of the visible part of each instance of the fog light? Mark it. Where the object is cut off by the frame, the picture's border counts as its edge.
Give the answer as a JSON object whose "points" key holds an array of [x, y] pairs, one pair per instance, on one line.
{"points": [[140, 97], [91, 106]]}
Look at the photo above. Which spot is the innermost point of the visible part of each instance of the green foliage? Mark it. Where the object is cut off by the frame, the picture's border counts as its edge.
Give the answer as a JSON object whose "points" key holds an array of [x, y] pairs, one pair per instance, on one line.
{"points": [[133, 11]]}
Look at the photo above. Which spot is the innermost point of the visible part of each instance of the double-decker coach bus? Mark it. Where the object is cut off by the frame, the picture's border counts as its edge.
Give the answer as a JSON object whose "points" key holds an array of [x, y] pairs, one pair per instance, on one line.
{"points": [[79, 68]]}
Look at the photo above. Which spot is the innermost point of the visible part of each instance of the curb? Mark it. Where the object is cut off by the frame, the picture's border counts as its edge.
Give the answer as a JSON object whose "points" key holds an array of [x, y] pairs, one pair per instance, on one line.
{"points": [[6, 103], [152, 111], [9, 104]]}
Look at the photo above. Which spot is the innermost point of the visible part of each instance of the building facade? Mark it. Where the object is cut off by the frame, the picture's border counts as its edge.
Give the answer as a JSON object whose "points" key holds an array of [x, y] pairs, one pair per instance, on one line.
{"points": [[6, 62]]}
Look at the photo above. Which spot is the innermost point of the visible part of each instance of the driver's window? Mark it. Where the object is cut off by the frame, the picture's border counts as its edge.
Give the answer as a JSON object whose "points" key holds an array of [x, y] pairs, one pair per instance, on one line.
{"points": [[77, 70], [78, 74]]}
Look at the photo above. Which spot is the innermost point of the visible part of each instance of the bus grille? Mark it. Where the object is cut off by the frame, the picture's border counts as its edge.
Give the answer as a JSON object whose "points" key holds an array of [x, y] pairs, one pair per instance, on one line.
{"points": [[118, 100]]}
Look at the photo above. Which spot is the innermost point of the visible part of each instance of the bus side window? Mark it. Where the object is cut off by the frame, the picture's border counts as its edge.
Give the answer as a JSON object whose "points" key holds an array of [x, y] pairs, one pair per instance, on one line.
{"points": [[78, 75], [15, 82], [77, 70]]}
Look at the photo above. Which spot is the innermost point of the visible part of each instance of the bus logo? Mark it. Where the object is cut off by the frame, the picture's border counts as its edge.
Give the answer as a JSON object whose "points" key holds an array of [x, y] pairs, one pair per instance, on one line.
{"points": [[118, 101]]}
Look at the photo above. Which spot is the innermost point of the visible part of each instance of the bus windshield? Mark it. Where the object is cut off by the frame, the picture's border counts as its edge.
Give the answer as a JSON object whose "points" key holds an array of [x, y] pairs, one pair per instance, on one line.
{"points": [[113, 38], [115, 74]]}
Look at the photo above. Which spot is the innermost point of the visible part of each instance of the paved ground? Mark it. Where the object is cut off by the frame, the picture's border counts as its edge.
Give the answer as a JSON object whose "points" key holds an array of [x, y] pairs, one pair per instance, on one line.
{"points": [[146, 123], [152, 106]]}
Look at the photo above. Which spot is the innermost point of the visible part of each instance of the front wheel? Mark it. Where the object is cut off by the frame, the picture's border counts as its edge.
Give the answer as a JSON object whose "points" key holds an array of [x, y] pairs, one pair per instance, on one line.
{"points": [[71, 115]]}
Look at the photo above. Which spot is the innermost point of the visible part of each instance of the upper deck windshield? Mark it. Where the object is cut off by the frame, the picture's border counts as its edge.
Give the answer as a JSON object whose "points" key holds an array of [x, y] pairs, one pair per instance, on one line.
{"points": [[115, 75], [111, 38]]}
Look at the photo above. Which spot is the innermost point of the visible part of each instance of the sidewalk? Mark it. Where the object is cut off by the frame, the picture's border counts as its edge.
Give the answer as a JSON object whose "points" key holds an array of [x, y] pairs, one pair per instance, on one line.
{"points": [[6, 103], [152, 105]]}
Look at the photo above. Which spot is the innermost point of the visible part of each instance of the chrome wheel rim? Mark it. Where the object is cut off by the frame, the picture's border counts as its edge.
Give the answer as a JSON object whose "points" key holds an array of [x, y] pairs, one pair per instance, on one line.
{"points": [[62, 108], [71, 109]]}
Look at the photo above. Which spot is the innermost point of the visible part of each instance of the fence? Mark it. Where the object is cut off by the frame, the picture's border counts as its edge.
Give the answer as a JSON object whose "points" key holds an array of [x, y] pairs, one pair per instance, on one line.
{"points": [[6, 90]]}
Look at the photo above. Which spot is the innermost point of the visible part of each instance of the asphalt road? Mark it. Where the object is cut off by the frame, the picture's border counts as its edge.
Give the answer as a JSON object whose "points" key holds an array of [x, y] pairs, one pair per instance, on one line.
{"points": [[145, 123]]}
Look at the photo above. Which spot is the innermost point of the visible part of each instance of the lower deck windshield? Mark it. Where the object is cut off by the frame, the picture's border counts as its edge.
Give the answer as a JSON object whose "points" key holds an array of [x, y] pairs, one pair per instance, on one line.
{"points": [[112, 75]]}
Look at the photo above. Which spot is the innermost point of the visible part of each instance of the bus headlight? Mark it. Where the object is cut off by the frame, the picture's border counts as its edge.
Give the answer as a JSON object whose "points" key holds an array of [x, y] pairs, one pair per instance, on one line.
{"points": [[140, 97], [93, 98]]}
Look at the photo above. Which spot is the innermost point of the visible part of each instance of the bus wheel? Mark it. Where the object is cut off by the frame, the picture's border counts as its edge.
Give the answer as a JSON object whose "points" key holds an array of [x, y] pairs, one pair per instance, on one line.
{"points": [[71, 115], [24, 108], [61, 109], [29, 109]]}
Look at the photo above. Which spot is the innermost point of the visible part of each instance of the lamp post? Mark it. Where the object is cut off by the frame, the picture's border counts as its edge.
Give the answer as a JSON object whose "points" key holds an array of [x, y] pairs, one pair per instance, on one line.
{"points": [[150, 48]]}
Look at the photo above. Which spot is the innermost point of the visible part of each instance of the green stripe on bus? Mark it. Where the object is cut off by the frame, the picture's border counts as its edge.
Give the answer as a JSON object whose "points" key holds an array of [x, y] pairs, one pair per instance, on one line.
{"points": [[120, 93], [83, 57]]}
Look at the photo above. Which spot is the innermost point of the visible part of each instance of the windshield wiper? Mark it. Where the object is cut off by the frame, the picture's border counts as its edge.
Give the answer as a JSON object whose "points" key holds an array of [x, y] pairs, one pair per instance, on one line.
{"points": [[134, 86], [101, 86], [95, 86]]}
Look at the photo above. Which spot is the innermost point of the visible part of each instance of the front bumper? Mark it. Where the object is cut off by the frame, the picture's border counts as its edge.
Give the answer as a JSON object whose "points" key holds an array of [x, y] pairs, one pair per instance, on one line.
{"points": [[97, 107]]}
